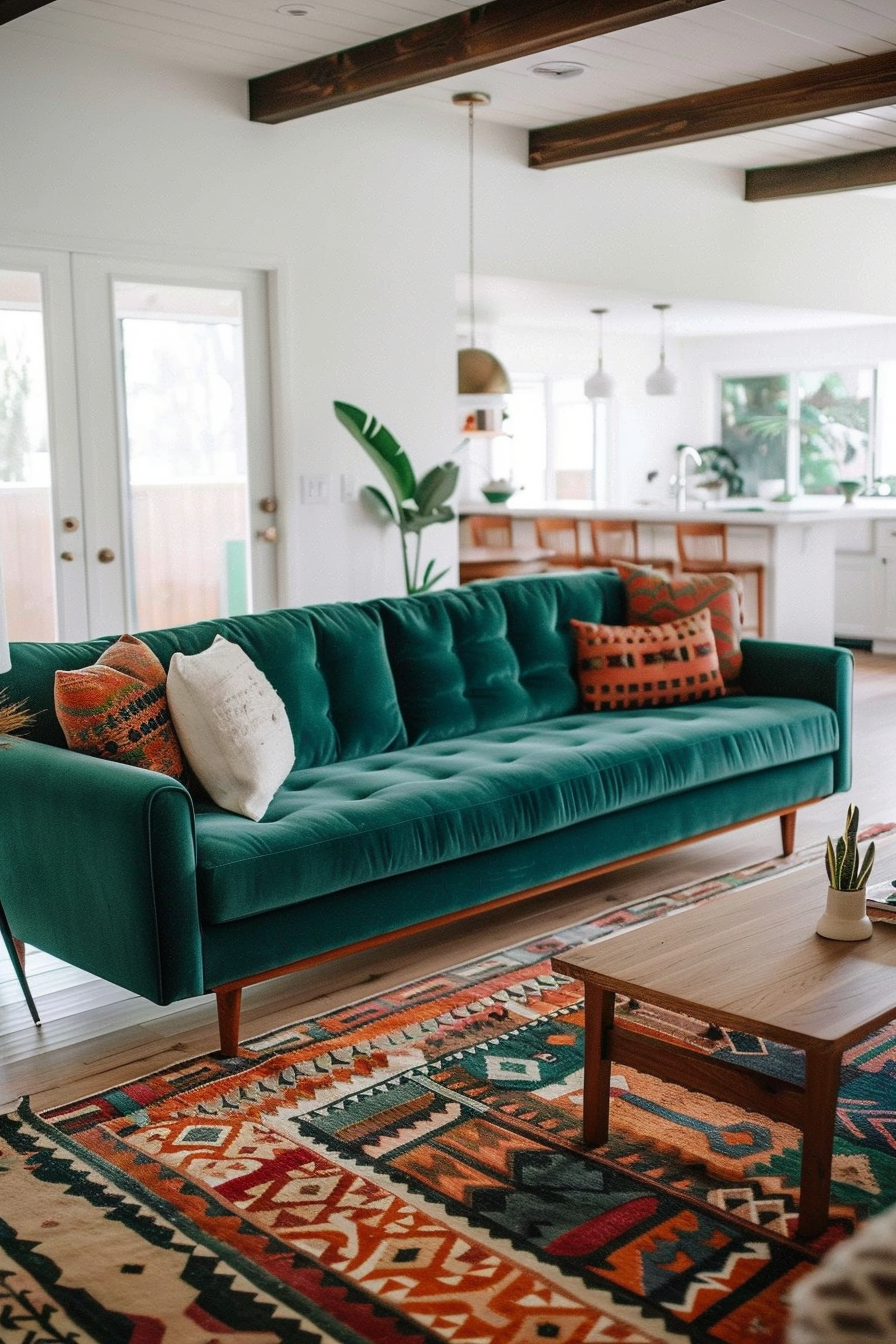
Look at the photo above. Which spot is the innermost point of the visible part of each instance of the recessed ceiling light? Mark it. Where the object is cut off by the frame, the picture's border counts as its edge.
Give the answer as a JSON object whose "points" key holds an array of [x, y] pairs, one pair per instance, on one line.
{"points": [[558, 69], [296, 11]]}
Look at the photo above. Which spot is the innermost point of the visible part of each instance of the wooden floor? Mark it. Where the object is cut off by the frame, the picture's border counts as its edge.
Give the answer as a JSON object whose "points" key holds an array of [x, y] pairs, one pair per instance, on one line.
{"points": [[95, 1035]]}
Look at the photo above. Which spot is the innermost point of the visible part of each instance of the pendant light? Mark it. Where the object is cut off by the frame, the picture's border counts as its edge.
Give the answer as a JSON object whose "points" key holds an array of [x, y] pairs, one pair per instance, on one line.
{"points": [[662, 382], [478, 371], [600, 385]]}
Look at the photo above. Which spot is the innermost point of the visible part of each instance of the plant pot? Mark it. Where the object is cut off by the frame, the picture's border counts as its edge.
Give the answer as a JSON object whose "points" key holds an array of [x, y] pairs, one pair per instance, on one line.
{"points": [[844, 918]]}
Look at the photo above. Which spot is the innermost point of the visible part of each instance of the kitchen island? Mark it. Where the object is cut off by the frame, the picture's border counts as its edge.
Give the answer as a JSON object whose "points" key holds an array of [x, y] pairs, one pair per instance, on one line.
{"points": [[798, 543]]}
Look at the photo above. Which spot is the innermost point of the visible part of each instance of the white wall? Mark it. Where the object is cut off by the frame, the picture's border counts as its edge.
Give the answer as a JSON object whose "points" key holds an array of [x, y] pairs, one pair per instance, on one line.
{"points": [[362, 214]]}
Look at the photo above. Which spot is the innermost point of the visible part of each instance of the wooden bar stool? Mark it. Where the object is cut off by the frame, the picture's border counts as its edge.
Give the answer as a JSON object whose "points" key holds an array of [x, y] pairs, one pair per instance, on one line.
{"points": [[703, 549], [561, 535], [614, 539], [617, 539], [488, 530]]}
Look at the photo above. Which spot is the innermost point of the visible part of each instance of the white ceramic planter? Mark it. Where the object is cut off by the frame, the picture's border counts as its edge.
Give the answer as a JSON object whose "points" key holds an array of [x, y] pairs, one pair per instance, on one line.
{"points": [[844, 918]]}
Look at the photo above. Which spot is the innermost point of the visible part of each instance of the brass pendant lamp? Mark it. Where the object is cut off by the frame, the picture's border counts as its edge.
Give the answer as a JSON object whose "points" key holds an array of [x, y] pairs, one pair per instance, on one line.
{"points": [[479, 372]]}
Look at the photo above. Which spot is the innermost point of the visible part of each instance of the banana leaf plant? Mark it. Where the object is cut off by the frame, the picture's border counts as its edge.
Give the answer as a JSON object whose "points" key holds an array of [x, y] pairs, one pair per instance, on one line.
{"points": [[414, 504]]}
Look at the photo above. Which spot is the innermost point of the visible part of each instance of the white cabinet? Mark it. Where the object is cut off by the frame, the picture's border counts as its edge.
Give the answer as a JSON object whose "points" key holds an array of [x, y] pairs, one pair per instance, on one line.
{"points": [[865, 584], [885, 555], [856, 595]]}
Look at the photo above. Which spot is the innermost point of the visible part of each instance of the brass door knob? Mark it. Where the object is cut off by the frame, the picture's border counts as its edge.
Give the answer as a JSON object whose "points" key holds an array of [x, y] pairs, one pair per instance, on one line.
{"points": [[267, 534], [105, 556], [70, 524], [268, 504], [66, 555]]}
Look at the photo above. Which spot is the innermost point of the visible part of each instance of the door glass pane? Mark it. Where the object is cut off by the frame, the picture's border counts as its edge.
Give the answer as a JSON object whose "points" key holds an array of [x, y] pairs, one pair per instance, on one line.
{"points": [[835, 425], [186, 452], [756, 427], [26, 506]]}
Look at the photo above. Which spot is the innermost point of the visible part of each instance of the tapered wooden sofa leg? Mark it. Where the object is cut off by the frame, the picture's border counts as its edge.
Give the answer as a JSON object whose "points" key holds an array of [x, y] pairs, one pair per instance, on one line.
{"points": [[229, 1001], [788, 831]]}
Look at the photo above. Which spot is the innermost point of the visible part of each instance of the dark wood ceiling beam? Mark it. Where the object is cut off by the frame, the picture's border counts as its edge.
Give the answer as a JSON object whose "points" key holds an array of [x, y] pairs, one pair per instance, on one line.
{"points": [[824, 91], [470, 40], [14, 9], [843, 172]]}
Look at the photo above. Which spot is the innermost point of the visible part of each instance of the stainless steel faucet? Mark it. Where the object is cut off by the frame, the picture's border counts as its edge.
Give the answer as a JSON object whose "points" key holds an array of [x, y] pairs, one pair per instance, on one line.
{"points": [[680, 479]]}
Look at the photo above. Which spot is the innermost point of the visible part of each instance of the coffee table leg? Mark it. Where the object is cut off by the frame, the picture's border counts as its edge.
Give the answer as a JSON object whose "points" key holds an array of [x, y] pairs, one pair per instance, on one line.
{"points": [[822, 1085], [600, 1009]]}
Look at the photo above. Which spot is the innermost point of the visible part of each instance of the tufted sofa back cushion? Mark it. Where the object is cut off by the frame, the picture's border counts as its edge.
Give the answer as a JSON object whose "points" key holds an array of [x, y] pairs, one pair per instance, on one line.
{"points": [[327, 664], [363, 678], [491, 655]]}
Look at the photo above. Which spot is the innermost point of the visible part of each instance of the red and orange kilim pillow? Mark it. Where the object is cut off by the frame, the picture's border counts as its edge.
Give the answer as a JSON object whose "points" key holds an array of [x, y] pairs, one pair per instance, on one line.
{"points": [[118, 709], [637, 666], [654, 599]]}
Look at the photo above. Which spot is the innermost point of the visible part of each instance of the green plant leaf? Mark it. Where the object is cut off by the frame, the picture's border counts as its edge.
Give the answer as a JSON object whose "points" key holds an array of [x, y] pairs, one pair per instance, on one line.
{"points": [[380, 505], [865, 870], [840, 855], [830, 863], [436, 487], [850, 868], [382, 447], [429, 579], [852, 822]]}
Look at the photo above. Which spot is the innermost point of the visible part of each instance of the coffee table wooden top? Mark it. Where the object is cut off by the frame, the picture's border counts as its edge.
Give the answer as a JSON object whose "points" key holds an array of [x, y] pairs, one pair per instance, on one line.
{"points": [[752, 960]]}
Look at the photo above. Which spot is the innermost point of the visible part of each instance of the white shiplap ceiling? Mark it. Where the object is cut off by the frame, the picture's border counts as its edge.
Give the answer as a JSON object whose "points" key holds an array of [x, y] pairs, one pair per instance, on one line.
{"points": [[729, 43]]}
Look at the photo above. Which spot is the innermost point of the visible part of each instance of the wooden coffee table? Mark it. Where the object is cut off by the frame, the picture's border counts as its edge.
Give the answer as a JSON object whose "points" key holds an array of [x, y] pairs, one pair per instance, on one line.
{"points": [[750, 960]]}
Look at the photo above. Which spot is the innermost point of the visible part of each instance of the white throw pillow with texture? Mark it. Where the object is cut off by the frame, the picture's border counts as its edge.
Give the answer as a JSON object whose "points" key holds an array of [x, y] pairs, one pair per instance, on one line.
{"points": [[232, 726]]}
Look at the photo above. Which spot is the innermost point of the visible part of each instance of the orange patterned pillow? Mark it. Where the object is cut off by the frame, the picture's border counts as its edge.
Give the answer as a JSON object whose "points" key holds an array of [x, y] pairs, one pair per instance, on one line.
{"points": [[118, 709], [636, 666], [654, 599]]}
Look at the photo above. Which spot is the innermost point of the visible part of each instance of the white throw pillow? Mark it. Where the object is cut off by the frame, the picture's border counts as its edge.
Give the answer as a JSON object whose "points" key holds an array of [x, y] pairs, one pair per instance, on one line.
{"points": [[232, 726]]}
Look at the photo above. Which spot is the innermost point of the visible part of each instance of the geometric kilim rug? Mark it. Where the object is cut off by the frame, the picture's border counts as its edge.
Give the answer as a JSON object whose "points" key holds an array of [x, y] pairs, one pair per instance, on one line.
{"points": [[409, 1169]]}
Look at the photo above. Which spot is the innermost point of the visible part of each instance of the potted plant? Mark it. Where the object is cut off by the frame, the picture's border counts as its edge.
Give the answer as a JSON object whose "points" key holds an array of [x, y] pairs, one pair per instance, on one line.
{"points": [[718, 475], [418, 504], [845, 918]]}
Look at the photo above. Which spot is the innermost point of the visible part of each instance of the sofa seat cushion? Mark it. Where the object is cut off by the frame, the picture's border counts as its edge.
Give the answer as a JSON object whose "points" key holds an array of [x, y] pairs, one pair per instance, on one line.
{"points": [[333, 827]]}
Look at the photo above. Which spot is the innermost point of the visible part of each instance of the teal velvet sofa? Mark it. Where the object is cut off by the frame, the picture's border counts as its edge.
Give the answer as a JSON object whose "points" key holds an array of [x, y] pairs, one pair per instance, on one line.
{"points": [[442, 765]]}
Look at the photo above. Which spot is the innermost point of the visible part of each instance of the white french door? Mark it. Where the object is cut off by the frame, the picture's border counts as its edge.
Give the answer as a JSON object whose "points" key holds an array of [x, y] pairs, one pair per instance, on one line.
{"points": [[136, 456]]}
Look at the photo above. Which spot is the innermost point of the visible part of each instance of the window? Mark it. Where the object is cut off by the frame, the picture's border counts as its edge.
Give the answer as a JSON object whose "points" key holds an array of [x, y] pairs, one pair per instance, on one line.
{"points": [[558, 444], [810, 430]]}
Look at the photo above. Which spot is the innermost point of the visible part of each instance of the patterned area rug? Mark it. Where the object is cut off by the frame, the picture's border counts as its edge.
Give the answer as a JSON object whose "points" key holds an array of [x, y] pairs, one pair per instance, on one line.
{"points": [[409, 1168]]}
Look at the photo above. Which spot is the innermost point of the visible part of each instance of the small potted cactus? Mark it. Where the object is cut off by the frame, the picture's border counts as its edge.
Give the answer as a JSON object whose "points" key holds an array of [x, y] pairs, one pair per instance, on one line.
{"points": [[845, 918]]}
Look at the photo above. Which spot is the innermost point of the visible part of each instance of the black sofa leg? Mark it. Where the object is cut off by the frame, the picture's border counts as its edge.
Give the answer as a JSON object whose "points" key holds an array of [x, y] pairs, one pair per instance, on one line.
{"points": [[16, 952], [229, 1002], [788, 831]]}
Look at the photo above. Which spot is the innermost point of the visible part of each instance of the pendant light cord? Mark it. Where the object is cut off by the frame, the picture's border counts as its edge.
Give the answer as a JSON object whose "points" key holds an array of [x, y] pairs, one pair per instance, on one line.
{"points": [[472, 222]]}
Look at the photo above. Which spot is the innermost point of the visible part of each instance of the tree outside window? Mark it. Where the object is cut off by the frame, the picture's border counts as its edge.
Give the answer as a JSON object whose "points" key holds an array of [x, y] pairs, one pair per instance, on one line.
{"points": [[811, 430]]}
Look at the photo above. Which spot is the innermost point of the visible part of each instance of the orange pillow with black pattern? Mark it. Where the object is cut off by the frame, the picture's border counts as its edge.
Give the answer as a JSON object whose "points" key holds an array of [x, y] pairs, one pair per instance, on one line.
{"points": [[652, 598], [118, 709], [640, 666]]}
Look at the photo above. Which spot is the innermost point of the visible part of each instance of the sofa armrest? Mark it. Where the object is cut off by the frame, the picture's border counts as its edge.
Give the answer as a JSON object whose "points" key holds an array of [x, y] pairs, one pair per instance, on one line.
{"points": [[98, 867], [806, 672]]}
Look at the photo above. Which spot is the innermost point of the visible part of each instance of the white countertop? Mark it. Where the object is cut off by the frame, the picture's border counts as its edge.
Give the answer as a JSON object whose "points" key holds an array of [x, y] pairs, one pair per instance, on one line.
{"points": [[746, 513]]}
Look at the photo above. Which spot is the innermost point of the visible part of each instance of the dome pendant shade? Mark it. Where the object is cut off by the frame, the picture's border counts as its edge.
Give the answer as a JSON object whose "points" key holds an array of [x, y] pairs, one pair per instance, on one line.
{"points": [[479, 373], [600, 385], [662, 382]]}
